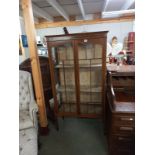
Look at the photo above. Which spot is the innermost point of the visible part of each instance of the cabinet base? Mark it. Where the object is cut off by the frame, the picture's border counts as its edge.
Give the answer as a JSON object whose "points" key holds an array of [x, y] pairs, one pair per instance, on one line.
{"points": [[44, 131]]}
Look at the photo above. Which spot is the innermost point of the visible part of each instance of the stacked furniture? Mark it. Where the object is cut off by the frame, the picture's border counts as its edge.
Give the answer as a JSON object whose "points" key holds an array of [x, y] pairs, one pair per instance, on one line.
{"points": [[47, 85], [28, 124], [78, 73], [120, 110], [46, 80]]}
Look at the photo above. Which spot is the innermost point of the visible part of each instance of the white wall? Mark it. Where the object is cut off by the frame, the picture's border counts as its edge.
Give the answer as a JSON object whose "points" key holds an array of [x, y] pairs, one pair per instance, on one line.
{"points": [[22, 32], [120, 30]]}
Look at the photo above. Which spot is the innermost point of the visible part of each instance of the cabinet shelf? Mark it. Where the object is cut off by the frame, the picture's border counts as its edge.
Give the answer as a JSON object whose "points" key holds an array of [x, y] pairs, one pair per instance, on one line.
{"points": [[83, 89], [82, 103], [80, 66]]}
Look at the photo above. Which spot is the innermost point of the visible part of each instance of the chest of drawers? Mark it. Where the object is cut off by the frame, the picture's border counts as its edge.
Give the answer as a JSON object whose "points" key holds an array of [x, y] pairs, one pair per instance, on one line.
{"points": [[120, 131], [120, 117]]}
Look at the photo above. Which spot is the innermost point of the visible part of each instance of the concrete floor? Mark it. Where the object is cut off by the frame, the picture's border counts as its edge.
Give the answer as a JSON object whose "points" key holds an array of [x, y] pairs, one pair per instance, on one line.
{"points": [[76, 136]]}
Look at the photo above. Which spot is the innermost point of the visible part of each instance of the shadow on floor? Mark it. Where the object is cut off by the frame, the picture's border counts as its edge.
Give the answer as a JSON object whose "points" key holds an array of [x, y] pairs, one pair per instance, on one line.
{"points": [[76, 136]]}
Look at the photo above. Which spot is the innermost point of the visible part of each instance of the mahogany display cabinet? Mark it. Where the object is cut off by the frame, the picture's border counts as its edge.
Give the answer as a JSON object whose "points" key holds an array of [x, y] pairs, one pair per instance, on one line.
{"points": [[78, 73]]}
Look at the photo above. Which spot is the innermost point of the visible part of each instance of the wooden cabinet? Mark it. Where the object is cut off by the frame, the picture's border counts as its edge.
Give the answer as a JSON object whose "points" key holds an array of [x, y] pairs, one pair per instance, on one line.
{"points": [[120, 113], [78, 73]]}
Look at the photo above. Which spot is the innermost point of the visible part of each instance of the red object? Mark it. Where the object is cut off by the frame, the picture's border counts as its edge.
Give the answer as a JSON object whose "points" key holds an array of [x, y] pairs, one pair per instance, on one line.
{"points": [[131, 37], [112, 60], [131, 42], [131, 47], [121, 52], [110, 54]]}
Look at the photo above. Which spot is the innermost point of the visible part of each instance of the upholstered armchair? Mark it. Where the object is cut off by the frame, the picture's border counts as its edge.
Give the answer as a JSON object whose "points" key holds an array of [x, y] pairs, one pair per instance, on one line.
{"points": [[27, 105]]}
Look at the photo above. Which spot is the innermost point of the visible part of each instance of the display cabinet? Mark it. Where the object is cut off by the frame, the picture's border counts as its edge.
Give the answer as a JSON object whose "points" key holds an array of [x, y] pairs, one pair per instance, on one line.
{"points": [[78, 73]]}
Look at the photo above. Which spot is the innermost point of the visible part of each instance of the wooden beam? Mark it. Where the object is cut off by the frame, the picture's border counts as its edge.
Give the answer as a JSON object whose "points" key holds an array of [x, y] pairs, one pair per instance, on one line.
{"points": [[127, 5], [81, 9], [30, 32], [21, 48], [83, 22], [56, 5], [41, 13]]}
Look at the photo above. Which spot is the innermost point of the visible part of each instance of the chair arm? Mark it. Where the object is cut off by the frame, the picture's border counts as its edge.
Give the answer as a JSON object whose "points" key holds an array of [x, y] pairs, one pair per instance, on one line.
{"points": [[33, 109], [33, 106]]}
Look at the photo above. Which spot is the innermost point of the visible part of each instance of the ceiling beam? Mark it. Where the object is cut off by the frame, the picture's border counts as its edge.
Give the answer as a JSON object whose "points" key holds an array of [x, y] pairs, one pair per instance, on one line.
{"points": [[105, 5], [82, 9], [128, 4], [41, 13], [56, 5], [83, 22]]}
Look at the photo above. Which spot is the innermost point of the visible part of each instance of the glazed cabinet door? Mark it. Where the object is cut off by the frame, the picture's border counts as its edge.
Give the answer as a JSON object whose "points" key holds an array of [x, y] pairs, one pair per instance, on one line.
{"points": [[63, 73], [91, 58]]}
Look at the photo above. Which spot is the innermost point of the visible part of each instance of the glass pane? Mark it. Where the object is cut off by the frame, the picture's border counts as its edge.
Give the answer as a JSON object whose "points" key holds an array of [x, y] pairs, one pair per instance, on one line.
{"points": [[64, 75], [90, 64]]}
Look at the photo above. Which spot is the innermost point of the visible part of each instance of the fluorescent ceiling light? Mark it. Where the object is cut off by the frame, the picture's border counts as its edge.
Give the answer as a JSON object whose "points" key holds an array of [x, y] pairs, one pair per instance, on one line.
{"points": [[117, 13]]}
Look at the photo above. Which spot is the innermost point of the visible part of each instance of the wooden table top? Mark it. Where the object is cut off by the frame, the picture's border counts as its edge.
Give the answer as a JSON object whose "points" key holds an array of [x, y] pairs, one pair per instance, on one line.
{"points": [[123, 70], [124, 107]]}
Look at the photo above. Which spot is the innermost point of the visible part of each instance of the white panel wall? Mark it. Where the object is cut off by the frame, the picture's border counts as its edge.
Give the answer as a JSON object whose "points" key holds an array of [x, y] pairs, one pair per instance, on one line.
{"points": [[120, 30], [22, 32]]}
